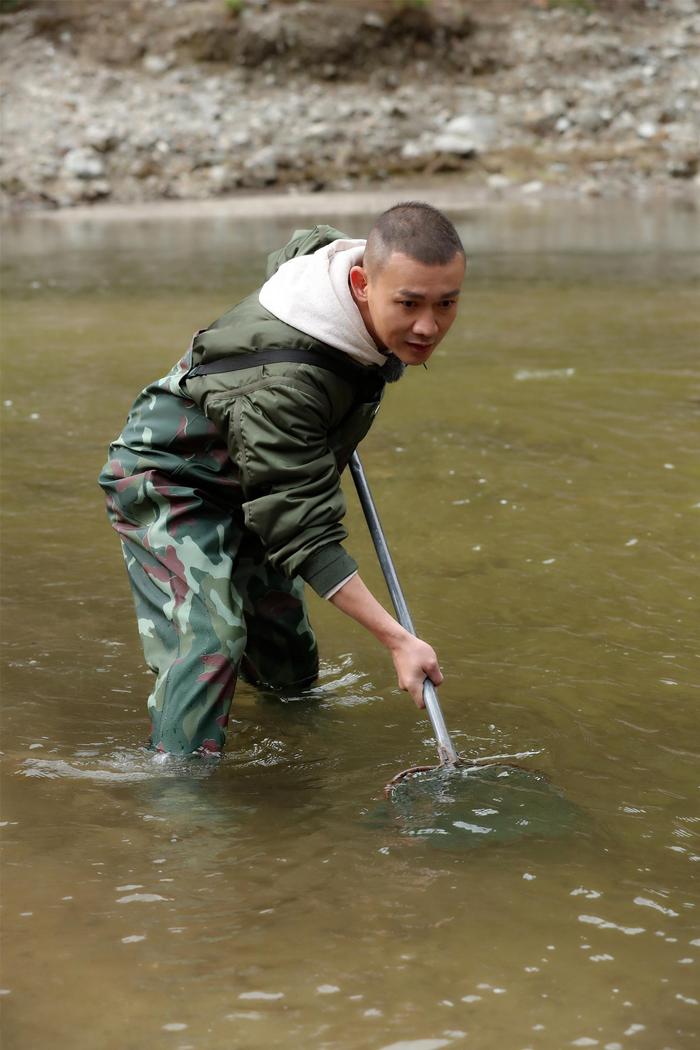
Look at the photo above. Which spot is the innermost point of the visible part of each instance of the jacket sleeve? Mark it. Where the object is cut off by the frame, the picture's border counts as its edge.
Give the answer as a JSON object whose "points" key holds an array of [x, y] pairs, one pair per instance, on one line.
{"points": [[276, 433]]}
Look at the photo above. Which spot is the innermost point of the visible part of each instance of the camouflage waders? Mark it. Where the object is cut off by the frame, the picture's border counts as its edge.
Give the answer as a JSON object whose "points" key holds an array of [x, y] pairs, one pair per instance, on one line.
{"points": [[208, 604]]}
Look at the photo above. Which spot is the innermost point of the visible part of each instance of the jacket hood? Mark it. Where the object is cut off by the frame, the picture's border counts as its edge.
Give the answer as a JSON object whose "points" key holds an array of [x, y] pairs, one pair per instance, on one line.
{"points": [[308, 289]]}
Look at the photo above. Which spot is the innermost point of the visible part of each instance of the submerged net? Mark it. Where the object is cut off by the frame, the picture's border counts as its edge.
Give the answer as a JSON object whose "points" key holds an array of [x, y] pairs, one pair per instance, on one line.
{"points": [[472, 806]]}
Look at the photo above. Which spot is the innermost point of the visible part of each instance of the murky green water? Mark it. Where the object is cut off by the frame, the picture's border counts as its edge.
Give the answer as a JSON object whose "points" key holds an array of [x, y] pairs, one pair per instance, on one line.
{"points": [[541, 491]]}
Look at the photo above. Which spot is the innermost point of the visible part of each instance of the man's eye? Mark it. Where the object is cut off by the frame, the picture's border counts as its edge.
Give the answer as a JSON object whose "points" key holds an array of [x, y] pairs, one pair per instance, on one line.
{"points": [[408, 302], [447, 303]]}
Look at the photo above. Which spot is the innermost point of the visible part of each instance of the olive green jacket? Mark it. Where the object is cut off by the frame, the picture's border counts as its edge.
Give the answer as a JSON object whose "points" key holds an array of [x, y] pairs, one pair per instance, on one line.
{"points": [[290, 429]]}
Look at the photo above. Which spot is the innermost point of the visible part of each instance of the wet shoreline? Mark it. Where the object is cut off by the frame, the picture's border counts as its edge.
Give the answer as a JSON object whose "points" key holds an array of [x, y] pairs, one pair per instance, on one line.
{"points": [[276, 203]]}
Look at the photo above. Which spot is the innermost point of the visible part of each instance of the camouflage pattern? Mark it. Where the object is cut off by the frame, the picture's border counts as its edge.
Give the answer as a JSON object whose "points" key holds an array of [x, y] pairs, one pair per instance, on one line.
{"points": [[209, 605]]}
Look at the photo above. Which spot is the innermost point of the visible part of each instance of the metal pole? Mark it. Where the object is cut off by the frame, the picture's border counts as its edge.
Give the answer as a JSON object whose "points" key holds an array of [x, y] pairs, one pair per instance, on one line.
{"points": [[445, 747]]}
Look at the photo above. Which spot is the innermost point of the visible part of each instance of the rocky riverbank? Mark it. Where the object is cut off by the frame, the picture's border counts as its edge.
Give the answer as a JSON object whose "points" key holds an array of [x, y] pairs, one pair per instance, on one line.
{"points": [[194, 99]]}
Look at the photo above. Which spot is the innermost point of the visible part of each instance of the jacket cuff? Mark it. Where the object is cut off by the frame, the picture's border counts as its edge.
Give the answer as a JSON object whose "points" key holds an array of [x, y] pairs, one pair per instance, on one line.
{"points": [[326, 568]]}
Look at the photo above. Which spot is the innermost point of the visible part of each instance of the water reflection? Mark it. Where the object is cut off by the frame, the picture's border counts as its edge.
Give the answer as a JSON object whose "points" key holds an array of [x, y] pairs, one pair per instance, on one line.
{"points": [[553, 242]]}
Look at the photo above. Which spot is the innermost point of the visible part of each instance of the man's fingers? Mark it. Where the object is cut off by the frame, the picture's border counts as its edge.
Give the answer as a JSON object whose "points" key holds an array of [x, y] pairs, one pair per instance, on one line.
{"points": [[435, 675], [417, 694]]}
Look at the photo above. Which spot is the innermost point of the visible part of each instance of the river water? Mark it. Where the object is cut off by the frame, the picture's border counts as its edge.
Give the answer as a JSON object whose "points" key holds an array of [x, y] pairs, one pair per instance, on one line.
{"points": [[539, 485]]}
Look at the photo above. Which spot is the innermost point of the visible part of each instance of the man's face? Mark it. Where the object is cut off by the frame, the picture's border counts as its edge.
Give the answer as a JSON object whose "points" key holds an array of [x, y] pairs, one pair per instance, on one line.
{"points": [[408, 307]]}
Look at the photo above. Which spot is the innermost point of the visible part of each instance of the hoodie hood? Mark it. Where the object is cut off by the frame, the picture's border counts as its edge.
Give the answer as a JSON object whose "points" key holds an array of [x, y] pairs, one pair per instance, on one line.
{"points": [[312, 294]]}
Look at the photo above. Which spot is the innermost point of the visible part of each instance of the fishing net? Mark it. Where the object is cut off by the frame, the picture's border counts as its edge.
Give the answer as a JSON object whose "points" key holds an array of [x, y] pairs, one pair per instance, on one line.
{"points": [[471, 806]]}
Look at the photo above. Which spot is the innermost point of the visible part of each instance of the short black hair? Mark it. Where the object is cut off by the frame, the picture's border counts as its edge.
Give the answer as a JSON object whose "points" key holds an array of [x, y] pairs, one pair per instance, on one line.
{"points": [[416, 229]]}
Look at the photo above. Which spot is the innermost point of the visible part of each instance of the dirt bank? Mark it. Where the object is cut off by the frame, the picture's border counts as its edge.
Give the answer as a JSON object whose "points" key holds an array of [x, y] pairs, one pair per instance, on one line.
{"points": [[193, 99]]}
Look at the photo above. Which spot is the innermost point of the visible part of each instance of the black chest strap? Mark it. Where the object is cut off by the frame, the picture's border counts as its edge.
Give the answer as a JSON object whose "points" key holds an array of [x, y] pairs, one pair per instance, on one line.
{"points": [[368, 380]]}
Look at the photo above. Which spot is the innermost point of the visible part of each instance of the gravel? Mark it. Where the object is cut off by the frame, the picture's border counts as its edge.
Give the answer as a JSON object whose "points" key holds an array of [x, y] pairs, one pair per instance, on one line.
{"points": [[537, 98]]}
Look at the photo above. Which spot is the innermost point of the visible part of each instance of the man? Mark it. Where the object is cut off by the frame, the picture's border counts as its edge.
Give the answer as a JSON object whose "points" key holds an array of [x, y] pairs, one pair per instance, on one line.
{"points": [[224, 486]]}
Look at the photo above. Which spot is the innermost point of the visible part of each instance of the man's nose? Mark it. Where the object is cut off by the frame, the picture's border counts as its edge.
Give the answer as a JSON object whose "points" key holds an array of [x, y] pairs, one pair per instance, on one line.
{"points": [[425, 324]]}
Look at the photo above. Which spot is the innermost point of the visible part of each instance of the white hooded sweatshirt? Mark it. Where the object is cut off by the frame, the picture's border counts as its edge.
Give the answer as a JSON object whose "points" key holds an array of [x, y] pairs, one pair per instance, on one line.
{"points": [[312, 293]]}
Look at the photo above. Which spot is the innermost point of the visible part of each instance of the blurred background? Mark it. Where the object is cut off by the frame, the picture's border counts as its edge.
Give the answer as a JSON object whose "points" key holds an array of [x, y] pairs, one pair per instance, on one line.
{"points": [[139, 100]]}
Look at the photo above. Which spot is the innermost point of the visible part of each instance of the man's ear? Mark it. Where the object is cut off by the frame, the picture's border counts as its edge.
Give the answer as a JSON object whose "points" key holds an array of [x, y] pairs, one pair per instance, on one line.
{"points": [[358, 283]]}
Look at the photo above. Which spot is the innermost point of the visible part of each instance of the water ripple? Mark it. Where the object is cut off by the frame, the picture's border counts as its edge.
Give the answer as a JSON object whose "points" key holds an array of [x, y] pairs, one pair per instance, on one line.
{"points": [[122, 766]]}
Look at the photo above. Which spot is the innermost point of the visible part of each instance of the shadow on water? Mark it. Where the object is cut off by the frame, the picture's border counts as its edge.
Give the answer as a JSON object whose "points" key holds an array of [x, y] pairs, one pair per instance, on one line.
{"points": [[471, 807]]}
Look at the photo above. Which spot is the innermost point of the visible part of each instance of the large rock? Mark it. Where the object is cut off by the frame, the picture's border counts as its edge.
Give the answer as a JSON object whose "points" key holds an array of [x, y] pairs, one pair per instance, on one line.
{"points": [[466, 135], [541, 115], [591, 118], [261, 167], [102, 137], [83, 164]]}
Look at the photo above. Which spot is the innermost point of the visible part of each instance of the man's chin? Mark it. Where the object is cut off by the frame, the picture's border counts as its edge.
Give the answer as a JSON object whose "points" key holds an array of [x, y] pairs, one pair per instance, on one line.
{"points": [[414, 353]]}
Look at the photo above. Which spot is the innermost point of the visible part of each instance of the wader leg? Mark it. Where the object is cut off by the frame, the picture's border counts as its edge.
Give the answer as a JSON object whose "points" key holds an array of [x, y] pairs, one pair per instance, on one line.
{"points": [[281, 650], [179, 554]]}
